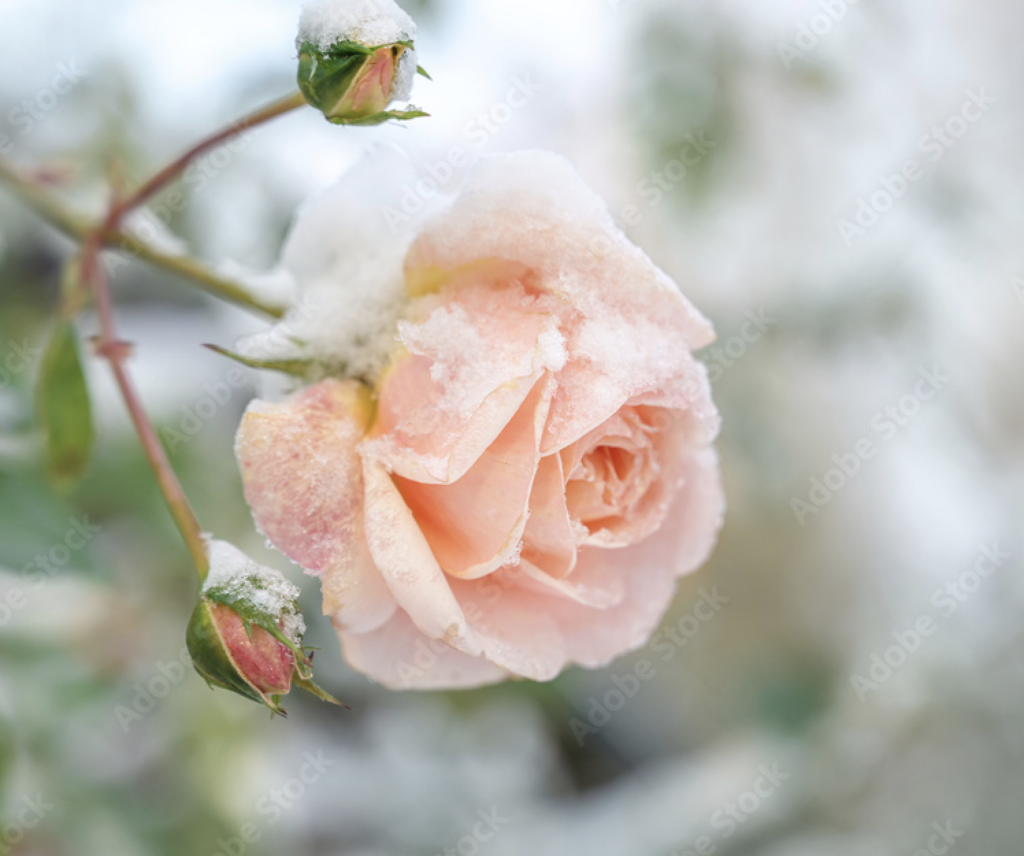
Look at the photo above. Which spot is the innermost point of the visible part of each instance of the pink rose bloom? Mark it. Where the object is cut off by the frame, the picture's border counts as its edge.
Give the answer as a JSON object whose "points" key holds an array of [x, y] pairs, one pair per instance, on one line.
{"points": [[525, 467]]}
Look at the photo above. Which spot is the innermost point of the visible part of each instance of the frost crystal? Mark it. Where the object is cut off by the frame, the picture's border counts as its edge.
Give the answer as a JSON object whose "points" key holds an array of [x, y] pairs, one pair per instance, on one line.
{"points": [[368, 22], [346, 252], [265, 590], [405, 77]]}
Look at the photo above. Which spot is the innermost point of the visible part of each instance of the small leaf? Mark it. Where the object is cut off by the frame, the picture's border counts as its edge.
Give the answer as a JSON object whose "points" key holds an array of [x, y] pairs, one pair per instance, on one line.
{"points": [[65, 412], [422, 71]]}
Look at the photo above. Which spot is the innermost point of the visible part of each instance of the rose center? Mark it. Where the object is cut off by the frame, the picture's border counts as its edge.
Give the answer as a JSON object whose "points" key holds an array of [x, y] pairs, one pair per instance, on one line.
{"points": [[609, 482]]}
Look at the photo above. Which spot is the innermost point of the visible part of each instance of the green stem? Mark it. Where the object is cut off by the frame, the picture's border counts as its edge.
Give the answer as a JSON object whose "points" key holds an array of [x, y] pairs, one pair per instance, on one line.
{"points": [[188, 268], [78, 227], [45, 204]]}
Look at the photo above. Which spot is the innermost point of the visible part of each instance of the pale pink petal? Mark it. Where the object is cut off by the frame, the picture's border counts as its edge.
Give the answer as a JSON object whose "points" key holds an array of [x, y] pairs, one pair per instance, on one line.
{"points": [[407, 564], [302, 479], [628, 328], [371, 92], [549, 541], [469, 365], [535, 630], [681, 545], [689, 392], [600, 586], [409, 396], [474, 525], [514, 632], [623, 508], [399, 656], [533, 208], [647, 364]]}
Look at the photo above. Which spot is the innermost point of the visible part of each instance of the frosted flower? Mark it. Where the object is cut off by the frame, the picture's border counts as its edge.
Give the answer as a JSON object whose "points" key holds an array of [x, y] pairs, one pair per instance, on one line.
{"points": [[356, 57], [526, 466], [245, 634]]}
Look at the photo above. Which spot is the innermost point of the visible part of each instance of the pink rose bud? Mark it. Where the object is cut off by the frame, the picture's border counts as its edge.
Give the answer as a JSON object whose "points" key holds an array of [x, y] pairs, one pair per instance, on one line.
{"points": [[245, 634], [356, 59]]}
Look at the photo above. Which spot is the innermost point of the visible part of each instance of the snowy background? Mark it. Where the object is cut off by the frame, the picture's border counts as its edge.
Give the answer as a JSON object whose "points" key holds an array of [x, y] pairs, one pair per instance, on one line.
{"points": [[838, 185]]}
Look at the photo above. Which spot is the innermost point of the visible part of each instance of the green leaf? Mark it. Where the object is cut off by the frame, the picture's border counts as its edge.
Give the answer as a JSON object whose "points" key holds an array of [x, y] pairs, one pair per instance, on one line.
{"points": [[65, 412]]}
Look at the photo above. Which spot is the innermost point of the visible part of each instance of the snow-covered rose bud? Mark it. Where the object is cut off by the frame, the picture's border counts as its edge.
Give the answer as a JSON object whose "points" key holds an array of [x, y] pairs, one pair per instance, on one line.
{"points": [[245, 634], [356, 58], [248, 661]]}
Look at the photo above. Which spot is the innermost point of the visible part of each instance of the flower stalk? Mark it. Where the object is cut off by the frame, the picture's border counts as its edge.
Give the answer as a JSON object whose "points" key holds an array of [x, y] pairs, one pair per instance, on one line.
{"points": [[78, 227]]}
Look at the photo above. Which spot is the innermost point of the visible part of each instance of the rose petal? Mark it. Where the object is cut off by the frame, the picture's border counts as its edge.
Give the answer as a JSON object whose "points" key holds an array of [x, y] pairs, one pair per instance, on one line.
{"points": [[689, 392], [442, 449], [468, 368], [549, 541], [538, 638], [474, 525], [534, 209], [600, 586], [628, 328], [399, 656], [302, 480], [612, 364], [514, 633], [678, 547], [662, 435], [408, 566]]}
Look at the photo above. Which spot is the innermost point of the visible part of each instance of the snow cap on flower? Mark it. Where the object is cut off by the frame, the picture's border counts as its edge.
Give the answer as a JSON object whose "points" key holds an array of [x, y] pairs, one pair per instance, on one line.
{"points": [[356, 57], [245, 633], [366, 22], [347, 261]]}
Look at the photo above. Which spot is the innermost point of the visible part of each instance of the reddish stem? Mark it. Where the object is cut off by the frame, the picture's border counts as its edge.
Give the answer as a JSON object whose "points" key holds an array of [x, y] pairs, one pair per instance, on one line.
{"points": [[170, 172], [116, 352]]}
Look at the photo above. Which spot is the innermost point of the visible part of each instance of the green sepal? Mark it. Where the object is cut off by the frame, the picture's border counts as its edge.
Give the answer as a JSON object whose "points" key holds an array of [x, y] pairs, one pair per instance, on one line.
{"points": [[326, 77], [212, 661], [251, 614], [380, 118], [297, 368], [308, 370], [311, 688]]}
